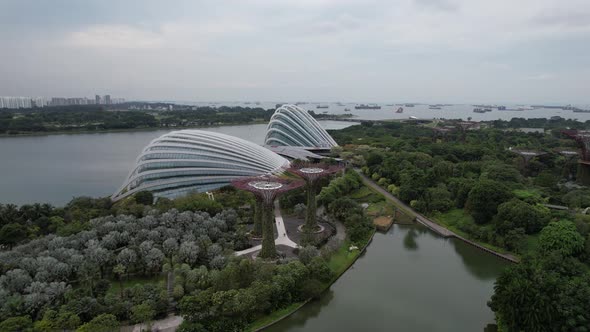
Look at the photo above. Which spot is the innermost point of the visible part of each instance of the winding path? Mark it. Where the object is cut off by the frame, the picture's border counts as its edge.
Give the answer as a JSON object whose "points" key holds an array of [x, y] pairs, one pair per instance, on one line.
{"points": [[281, 239], [440, 230]]}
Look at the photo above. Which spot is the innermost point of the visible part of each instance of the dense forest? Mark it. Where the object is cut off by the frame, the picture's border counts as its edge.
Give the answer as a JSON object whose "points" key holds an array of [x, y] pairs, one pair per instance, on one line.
{"points": [[93, 118], [97, 118], [93, 265], [474, 182]]}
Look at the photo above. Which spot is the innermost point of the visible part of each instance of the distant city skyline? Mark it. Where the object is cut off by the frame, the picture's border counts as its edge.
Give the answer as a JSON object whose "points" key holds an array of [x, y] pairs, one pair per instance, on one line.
{"points": [[445, 51], [38, 101]]}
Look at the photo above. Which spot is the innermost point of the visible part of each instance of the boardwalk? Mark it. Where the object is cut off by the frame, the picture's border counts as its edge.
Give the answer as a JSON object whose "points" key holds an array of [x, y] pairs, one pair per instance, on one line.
{"points": [[438, 229]]}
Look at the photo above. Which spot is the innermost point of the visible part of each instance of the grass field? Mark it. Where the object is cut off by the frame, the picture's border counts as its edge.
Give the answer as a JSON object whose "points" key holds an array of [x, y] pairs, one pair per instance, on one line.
{"points": [[378, 206]]}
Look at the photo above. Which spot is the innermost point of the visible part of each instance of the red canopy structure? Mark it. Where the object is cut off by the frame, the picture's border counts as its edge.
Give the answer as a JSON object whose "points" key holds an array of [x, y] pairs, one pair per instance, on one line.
{"points": [[311, 173], [267, 189]]}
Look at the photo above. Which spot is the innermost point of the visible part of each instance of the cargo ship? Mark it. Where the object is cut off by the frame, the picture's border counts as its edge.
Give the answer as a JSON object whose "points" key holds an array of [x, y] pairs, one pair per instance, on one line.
{"points": [[481, 110], [322, 106], [367, 107]]}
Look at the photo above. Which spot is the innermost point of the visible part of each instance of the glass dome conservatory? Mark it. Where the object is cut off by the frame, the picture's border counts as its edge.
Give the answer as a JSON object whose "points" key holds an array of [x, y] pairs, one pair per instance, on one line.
{"points": [[293, 126], [196, 161]]}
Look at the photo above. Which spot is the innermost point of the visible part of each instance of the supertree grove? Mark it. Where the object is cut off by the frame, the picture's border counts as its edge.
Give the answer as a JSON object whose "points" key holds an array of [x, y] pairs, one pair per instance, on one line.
{"points": [[267, 189], [311, 173]]}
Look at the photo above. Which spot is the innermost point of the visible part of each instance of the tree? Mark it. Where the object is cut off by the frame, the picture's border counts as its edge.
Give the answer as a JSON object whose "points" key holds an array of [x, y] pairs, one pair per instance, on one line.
{"points": [[142, 313], [170, 247], [119, 270], [154, 260], [16, 324], [307, 253], [144, 197], [561, 236], [127, 258], [66, 320], [544, 293], [484, 198], [101, 323], [518, 214], [16, 280], [189, 252], [12, 234]]}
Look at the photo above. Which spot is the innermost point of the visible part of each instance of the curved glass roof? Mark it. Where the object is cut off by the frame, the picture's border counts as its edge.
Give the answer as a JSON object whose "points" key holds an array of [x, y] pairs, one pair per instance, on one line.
{"points": [[196, 160], [293, 126]]}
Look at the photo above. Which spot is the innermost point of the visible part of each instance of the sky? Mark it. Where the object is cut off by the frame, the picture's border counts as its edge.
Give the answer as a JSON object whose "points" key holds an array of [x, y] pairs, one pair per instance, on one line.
{"points": [[447, 51]]}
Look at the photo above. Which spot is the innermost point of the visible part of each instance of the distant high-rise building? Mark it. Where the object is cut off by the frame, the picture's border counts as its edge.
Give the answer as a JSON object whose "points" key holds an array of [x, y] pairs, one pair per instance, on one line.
{"points": [[107, 99], [15, 102], [97, 99]]}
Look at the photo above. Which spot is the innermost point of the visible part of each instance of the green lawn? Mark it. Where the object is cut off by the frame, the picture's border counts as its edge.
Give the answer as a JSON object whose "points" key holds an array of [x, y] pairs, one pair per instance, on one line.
{"points": [[135, 280], [378, 206], [454, 218], [527, 193], [532, 242]]}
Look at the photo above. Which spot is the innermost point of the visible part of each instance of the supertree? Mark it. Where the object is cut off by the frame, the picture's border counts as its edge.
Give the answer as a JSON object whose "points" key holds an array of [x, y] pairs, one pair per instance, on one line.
{"points": [[311, 173], [267, 189]]}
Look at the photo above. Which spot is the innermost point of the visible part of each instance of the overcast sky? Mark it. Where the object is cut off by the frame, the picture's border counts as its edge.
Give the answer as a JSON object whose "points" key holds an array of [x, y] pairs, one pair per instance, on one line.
{"points": [[511, 51]]}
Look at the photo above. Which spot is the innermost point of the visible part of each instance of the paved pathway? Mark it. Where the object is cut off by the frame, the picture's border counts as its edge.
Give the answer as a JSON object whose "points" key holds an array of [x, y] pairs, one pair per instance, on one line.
{"points": [[419, 218], [282, 238], [442, 231], [168, 324]]}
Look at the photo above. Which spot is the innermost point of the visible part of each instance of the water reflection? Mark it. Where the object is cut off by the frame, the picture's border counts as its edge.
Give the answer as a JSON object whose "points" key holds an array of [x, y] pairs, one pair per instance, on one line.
{"points": [[482, 267], [410, 279], [410, 239]]}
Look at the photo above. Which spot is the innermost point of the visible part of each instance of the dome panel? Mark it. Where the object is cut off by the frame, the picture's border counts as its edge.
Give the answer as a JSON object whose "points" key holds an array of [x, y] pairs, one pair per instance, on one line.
{"points": [[291, 125], [196, 160]]}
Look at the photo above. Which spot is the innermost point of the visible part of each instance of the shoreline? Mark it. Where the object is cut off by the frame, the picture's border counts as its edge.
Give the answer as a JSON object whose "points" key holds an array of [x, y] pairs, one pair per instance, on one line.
{"points": [[128, 130], [436, 227], [145, 129], [340, 274]]}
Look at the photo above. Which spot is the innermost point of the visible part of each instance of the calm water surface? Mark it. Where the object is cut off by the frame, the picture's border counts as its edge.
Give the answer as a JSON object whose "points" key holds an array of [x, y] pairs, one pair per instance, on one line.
{"points": [[408, 280], [55, 168]]}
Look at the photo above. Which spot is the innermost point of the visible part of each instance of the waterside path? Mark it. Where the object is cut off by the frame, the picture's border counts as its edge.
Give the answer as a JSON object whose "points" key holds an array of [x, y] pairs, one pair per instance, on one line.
{"points": [[440, 230]]}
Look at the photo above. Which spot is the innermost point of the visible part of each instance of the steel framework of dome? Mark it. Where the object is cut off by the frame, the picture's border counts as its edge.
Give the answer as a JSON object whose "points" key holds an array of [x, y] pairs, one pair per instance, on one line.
{"points": [[293, 126], [196, 161]]}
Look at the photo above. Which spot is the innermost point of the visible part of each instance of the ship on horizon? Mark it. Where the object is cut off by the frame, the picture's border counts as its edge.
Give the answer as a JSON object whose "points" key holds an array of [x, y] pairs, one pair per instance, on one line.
{"points": [[367, 107]]}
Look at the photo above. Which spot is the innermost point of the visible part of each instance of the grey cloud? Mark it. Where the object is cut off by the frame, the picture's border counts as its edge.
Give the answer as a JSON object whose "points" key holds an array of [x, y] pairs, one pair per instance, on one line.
{"points": [[444, 5], [563, 18]]}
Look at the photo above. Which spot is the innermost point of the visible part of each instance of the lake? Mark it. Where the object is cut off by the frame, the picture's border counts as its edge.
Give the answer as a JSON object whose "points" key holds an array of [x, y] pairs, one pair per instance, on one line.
{"points": [[409, 280]]}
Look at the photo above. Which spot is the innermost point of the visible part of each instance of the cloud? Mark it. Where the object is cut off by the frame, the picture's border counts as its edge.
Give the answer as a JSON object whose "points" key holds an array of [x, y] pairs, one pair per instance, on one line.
{"points": [[363, 48], [444, 5], [114, 37], [572, 18], [539, 77]]}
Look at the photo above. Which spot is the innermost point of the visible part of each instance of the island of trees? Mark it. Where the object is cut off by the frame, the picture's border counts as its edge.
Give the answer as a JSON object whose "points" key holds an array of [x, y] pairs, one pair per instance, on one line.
{"points": [[130, 116]]}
